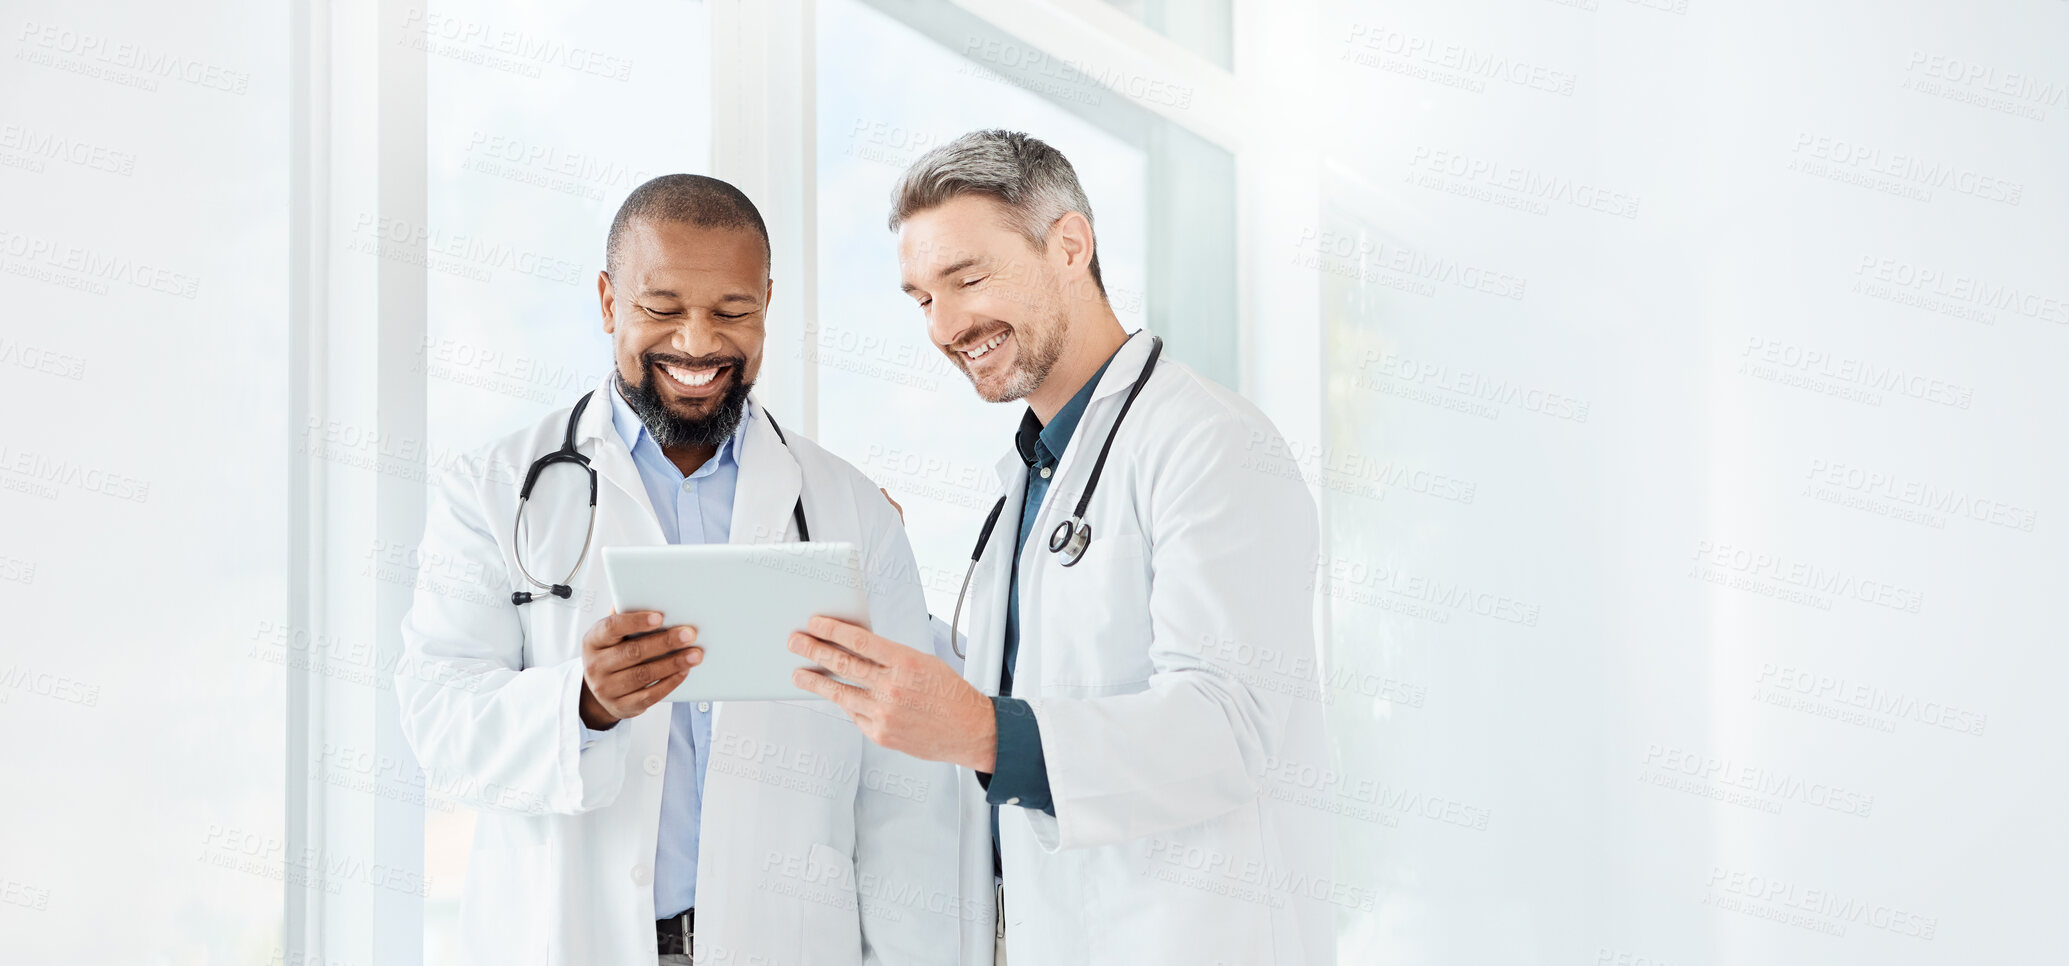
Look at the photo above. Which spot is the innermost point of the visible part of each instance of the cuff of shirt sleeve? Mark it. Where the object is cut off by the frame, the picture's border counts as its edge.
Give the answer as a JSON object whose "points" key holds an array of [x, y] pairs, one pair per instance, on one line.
{"points": [[1023, 774], [590, 735]]}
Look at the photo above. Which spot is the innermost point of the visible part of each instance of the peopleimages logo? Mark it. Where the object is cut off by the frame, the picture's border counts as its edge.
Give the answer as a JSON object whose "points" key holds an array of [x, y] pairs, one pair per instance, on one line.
{"points": [[1460, 65], [95, 270], [1249, 879], [1964, 291], [144, 60], [1766, 783], [1800, 581], [1830, 907], [1877, 705]]}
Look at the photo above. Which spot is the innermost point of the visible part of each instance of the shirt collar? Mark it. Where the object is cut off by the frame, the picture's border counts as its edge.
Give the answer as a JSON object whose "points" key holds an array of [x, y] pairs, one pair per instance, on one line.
{"points": [[633, 430], [1042, 445]]}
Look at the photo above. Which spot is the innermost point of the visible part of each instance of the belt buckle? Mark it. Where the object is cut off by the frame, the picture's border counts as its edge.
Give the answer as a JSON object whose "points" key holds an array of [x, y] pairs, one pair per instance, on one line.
{"points": [[682, 927]]}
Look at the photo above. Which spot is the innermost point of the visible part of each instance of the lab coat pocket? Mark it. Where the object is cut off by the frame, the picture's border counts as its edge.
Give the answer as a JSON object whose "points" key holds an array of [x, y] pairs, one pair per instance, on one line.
{"points": [[1094, 625], [553, 629], [830, 929]]}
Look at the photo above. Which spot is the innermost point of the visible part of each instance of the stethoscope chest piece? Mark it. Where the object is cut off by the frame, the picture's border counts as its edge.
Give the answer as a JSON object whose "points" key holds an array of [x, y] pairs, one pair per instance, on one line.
{"points": [[1070, 539]]}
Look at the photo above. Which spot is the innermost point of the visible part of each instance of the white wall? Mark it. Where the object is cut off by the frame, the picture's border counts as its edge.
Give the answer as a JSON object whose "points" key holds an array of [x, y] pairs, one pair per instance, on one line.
{"points": [[1785, 687]]}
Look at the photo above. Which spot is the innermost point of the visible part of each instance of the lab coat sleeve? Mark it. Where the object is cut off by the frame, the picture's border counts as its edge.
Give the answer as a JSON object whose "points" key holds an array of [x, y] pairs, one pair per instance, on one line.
{"points": [[1232, 540], [906, 858], [473, 713]]}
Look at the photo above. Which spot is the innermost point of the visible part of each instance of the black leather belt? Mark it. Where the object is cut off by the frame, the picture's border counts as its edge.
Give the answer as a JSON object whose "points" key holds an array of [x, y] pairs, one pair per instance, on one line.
{"points": [[672, 935]]}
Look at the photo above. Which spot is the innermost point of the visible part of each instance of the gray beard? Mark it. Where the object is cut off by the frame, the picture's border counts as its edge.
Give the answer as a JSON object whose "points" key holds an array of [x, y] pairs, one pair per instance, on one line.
{"points": [[1039, 357]]}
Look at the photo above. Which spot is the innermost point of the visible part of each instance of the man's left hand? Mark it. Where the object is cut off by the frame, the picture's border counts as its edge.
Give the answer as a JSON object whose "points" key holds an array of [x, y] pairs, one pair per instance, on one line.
{"points": [[908, 700]]}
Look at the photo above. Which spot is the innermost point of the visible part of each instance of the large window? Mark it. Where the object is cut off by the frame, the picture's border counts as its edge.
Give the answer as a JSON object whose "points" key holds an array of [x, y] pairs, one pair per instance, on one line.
{"points": [[529, 156], [143, 470]]}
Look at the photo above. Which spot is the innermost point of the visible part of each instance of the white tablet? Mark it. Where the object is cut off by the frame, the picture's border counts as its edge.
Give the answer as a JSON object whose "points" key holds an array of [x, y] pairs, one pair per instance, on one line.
{"points": [[745, 600]]}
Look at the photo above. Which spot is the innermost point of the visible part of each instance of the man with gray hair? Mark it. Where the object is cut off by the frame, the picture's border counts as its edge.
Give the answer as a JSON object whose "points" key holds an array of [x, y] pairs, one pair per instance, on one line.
{"points": [[1141, 676]]}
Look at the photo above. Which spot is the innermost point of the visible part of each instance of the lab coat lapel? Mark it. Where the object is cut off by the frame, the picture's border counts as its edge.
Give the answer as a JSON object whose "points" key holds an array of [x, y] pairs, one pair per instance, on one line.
{"points": [[597, 437], [770, 481], [1090, 436], [1121, 372], [991, 584]]}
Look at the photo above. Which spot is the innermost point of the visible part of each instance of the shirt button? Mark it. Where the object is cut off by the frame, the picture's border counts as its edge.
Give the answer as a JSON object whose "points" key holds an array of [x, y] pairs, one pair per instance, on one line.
{"points": [[653, 764], [703, 705], [689, 487], [1045, 472], [641, 875], [1015, 800]]}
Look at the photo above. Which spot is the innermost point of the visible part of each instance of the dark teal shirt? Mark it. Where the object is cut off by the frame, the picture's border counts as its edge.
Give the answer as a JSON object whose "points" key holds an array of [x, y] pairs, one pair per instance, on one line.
{"points": [[1023, 774]]}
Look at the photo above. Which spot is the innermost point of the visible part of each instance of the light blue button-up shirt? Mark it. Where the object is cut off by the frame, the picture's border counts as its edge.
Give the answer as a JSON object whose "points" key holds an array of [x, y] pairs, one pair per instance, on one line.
{"points": [[693, 509]]}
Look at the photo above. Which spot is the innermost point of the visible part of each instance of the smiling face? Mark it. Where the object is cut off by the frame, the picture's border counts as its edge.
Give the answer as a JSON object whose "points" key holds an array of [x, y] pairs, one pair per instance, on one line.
{"points": [[686, 310], [994, 303]]}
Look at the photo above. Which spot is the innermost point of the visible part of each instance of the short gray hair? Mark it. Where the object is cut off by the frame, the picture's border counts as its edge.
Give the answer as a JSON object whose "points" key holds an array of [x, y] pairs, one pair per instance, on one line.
{"points": [[1033, 181]]}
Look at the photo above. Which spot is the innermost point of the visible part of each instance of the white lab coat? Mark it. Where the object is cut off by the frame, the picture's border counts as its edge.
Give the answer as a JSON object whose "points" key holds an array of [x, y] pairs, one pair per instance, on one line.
{"points": [[1165, 669], [816, 846]]}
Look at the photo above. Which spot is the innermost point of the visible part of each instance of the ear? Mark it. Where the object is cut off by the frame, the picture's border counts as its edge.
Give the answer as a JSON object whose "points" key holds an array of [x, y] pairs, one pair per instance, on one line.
{"points": [[607, 299], [1070, 242]]}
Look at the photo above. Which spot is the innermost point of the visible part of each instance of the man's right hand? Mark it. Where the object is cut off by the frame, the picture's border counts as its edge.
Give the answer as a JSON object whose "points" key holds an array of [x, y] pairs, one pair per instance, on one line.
{"points": [[629, 662]]}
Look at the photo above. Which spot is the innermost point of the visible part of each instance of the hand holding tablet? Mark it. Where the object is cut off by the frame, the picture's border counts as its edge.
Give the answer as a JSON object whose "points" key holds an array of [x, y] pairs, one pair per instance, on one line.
{"points": [[744, 601], [629, 662]]}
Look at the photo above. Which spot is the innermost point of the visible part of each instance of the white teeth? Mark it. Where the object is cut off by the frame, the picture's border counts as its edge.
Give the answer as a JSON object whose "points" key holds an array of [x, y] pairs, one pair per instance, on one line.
{"points": [[987, 345], [691, 377]]}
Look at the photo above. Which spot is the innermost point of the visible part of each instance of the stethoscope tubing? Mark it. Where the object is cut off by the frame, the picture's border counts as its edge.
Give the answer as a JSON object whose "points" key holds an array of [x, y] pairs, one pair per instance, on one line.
{"points": [[1073, 535], [568, 454]]}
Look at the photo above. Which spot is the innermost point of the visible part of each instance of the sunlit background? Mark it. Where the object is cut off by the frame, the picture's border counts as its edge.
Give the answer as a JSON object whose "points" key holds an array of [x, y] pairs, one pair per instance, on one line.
{"points": [[1679, 382]]}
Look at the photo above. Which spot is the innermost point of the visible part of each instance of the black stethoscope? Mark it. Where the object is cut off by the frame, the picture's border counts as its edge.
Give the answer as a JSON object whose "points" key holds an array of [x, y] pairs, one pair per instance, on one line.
{"points": [[567, 454], [1072, 537]]}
